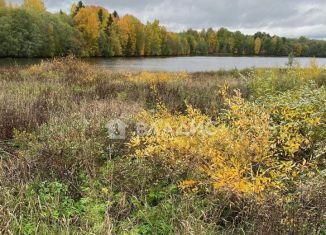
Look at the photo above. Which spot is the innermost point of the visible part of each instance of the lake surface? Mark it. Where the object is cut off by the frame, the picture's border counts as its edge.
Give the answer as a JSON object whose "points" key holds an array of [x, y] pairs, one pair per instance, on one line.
{"points": [[175, 64]]}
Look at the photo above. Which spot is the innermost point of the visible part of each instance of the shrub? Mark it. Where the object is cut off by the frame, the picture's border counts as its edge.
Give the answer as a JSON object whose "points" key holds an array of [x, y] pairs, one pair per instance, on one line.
{"points": [[27, 105], [225, 153], [275, 81], [249, 150]]}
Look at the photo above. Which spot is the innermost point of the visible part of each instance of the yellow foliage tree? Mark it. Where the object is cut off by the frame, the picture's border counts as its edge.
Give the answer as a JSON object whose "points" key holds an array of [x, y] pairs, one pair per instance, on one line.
{"points": [[88, 23], [34, 4], [257, 45], [129, 28], [212, 42]]}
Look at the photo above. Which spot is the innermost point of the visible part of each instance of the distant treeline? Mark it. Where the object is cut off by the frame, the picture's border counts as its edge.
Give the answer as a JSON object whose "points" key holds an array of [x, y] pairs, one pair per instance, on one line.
{"points": [[28, 30]]}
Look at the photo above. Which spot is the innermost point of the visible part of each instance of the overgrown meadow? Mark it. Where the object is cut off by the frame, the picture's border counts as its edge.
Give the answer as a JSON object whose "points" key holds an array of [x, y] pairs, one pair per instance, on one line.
{"points": [[229, 152]]}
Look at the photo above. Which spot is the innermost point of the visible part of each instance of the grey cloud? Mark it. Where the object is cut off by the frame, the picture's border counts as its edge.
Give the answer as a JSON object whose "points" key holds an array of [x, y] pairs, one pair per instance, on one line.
{"points": [[291, 18]]}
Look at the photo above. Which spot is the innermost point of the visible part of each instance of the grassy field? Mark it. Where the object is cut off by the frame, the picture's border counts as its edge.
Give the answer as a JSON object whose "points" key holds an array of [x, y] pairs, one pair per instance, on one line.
{"points": [[227, 152]]}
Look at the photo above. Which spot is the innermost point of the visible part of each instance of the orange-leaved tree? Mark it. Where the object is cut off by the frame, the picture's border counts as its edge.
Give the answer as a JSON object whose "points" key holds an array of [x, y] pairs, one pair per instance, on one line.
{"points": [[257, 46]]}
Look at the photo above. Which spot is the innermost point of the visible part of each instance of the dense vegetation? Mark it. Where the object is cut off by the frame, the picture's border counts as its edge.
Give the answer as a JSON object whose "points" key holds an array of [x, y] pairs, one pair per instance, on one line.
{"points": [[30, 31], [260, 168]]}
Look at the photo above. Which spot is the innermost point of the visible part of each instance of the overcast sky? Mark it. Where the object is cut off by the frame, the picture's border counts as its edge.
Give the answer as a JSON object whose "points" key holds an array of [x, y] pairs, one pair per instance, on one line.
{"points": [[291, 18]]}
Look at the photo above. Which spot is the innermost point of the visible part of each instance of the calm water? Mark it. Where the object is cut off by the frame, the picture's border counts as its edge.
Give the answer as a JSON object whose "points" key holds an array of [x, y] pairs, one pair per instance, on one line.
{"points": [[190, 64]]}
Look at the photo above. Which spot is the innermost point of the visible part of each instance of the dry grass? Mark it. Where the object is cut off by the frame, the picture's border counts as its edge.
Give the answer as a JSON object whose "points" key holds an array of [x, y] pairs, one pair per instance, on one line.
{"points": [[60, 174]]}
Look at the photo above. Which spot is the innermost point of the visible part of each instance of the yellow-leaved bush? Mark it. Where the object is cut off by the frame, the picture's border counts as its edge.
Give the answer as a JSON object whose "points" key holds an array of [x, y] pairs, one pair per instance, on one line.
{"points": [[298, 122], [239, 152], [231, 154]]}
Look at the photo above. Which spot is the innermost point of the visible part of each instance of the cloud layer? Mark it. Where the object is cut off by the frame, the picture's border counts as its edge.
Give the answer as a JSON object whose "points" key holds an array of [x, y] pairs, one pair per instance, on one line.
{"points": [[291, 18]]}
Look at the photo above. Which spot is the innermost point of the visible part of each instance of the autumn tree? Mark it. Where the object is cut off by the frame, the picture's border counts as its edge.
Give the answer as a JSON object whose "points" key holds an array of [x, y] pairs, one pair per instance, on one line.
{"points": [[258, 44], [127, 34], [131, 32], [212, 41], [37, 5], [87, 22], [91, 21]]}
